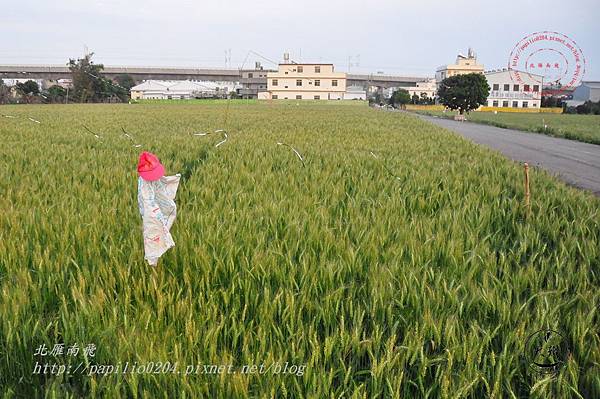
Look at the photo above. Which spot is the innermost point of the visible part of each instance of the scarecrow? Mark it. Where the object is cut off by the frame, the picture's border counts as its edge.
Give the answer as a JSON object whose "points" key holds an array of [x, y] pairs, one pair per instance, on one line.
{"points": [[156, 201]]}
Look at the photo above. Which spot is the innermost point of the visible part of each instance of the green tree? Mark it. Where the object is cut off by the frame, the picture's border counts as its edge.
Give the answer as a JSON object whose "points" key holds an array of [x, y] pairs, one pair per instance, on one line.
{"points": [[376, 98], [112, 92], [415, 98], [400, 97], [88, 83], [4, 93], [551, 102], [29, 88], [424, 99], [589, 107], [464, 92], [56, 94], [126, 81], [29, 91]]}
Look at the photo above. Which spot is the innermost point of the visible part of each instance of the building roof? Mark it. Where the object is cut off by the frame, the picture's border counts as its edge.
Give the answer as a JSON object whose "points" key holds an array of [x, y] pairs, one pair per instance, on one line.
{"points": [[149, 85], [181, 85], [459, 66], [513, 70], [307, 63], [261, 70], [386, 78], [186, 85], [591, 84]]}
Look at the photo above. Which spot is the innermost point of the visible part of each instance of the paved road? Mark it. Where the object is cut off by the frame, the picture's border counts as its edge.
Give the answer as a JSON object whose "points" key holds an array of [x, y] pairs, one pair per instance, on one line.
{"points": [[576, 163]]}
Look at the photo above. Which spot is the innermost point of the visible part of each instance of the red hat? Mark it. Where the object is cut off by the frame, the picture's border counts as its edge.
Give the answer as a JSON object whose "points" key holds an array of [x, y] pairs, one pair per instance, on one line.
{"points": [[149, 167]]}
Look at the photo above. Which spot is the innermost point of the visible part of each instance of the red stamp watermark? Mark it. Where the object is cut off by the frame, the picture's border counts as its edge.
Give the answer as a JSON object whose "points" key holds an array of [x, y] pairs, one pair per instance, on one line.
{"points": [[552, 59]]}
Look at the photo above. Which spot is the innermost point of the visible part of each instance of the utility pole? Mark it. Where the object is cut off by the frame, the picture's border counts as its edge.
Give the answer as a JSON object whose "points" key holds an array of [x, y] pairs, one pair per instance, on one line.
{"points": [[227, 58], [351, 62]]}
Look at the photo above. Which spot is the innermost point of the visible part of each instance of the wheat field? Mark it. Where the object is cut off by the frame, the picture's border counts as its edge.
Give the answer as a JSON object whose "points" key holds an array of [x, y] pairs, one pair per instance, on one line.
{"points": [[397, 261]]}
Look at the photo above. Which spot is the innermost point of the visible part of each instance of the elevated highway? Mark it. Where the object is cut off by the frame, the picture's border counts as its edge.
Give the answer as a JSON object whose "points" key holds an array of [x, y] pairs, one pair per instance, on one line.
{"points": [[55, 72]]}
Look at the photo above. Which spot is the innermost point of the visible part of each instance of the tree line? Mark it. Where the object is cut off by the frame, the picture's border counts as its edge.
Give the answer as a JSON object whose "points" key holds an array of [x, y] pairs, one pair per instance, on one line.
{"points": [[588, 107], [88, 86]]}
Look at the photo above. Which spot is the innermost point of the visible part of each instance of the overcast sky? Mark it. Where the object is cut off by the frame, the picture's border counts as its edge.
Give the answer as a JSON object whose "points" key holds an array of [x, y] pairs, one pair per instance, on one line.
{"points": [[392, 36]]}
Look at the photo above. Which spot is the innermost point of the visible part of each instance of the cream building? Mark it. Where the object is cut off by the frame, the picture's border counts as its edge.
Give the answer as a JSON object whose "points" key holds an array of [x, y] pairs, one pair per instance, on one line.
{"points": [[506, 92], [305, 82], [464, 64]]}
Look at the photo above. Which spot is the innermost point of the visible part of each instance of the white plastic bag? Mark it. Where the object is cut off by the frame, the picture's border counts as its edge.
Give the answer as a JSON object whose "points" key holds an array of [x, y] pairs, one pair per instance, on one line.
{"points": [[156, 201]]}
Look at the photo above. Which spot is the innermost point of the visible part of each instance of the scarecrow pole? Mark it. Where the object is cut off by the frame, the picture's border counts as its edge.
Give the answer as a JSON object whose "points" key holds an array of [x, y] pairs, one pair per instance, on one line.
{"points": [[527, 193]]}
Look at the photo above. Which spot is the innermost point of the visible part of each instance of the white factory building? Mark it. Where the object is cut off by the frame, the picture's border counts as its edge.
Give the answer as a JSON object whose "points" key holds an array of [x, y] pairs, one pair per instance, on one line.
{"points": [[355, 93], [586, 91], [424, 88], [508, 91], [182, 90]]}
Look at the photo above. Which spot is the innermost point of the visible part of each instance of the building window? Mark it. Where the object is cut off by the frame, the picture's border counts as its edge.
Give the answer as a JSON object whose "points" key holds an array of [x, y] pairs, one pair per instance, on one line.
{"points": [[318, 69], [275, 82], [317, 97], [317, 82], [274, 97], [536, 88], [496, 87], [516, 88], [495, 103], [525, 104], [515, 104], [334, 82], [505, 104], [300, 69], [250, 75], [286, 87], [298, 82], [506, 87], [299, 97], [526, 88]]}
